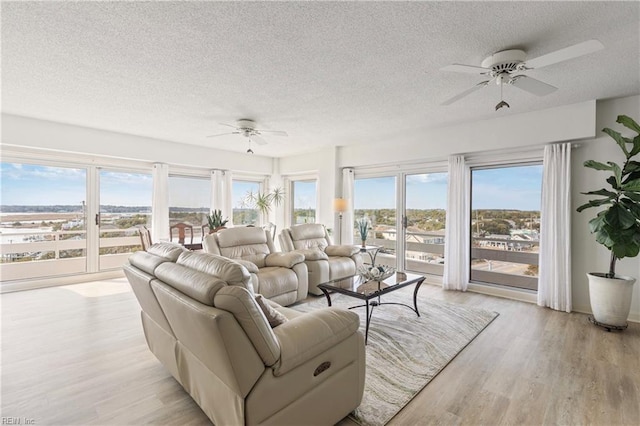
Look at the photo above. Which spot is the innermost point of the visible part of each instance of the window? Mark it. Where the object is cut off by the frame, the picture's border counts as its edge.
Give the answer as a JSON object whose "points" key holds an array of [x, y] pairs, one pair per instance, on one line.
{"points": [[42, 220], [505, 225], [190, 202], [244, 210], [375, 199], [425, 212], [303, 196], [125, 204]]}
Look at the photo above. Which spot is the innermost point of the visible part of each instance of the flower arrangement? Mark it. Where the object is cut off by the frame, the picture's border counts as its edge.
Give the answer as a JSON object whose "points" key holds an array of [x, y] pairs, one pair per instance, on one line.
{"points": [[376, 273]]}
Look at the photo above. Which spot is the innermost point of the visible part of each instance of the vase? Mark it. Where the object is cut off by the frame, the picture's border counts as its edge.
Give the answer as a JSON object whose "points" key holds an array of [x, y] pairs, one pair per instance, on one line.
{"points": [[364, 243], [610, 298]]}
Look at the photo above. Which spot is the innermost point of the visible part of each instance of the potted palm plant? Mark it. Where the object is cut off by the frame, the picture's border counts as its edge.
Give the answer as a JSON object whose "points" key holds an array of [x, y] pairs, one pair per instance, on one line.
{"points": [[263, 201], [617, 227], [215, 221]]}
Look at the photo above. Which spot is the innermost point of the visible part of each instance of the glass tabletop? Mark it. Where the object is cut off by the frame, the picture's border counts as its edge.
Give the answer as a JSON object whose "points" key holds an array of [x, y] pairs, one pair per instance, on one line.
{"points": [[360, 287]]}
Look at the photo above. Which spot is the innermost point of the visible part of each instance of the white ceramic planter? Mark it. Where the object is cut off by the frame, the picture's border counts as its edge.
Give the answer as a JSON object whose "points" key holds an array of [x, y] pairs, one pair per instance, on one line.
{"points": [[610, 298]]}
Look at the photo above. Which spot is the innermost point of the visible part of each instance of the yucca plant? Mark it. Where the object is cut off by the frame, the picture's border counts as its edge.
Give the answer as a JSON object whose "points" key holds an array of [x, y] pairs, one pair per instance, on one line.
{"points": [[618, 226], [363, 224], [215, 219]]}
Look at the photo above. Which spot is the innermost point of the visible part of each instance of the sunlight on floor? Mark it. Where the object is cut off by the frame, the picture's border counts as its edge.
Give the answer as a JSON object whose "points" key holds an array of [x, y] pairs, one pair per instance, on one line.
{"points": [[100, 288]]}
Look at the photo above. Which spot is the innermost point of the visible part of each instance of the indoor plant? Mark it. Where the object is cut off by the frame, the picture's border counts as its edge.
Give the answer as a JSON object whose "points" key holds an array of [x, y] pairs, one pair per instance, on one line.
{"points": [[363, 224], [216, 221], [264, 200], [617, 227]]}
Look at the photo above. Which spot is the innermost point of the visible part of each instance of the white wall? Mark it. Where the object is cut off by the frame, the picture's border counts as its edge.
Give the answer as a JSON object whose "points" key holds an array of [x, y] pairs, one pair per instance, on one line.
{"points": [[40, 134], [324, 164], [587, 255], [569, 122]]}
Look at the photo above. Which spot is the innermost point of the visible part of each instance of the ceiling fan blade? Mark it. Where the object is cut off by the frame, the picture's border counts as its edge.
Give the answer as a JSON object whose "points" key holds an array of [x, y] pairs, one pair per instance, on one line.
{"points": [[565, 54], [465, 93], [229, 125], [257, 139], [223, 134], [532, 85], [467, 69], [273, 132]]}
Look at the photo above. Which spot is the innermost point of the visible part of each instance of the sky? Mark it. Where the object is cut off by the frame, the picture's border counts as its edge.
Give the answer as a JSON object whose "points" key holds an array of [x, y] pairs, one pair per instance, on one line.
{"points": [[517, 188], [499, 188]]}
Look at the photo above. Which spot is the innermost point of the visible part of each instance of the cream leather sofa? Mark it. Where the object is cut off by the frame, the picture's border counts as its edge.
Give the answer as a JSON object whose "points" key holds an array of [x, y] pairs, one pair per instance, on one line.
{"points": [[281, 277], [324, 260], [202, 322]]}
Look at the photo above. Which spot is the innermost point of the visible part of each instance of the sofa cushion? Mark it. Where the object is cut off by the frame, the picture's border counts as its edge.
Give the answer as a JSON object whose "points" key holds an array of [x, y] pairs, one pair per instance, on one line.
{"points": [[244, 308], [284, 260], [274, 317], [313, 254], [226, 269], [307, 231], [342, 250], [146, 262], [341, 267], [195, 284], [275, 281], [170, 251]]}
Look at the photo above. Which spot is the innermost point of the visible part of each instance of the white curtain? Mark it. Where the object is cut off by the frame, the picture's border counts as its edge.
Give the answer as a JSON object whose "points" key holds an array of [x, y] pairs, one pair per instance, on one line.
{"points": [[554, 280], [347, 217], [221, 192], [160, 203], [457, 234]]}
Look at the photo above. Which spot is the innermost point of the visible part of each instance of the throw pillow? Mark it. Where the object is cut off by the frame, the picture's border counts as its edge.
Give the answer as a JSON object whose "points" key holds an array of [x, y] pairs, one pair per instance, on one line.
{"points": [[274, 317]]}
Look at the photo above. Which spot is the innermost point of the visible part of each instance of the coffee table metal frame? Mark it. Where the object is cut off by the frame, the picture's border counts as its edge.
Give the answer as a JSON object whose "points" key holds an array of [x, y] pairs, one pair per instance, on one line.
{"points": [[409, 279]]}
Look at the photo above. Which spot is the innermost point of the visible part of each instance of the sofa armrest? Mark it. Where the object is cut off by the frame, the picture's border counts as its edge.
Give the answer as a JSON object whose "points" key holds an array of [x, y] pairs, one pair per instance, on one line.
{"points": [[251, 267], [341, 250], [284, 260], [312, 254], [306, 336]]}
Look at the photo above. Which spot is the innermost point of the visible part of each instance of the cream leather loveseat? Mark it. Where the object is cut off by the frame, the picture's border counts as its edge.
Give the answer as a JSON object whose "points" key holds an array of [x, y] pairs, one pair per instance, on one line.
{"points": [[324, 260], [202, 322], [281, 277]]}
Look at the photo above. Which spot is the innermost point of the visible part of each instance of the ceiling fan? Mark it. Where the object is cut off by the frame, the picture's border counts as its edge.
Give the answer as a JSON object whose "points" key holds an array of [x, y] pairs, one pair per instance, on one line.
{"points": [[247, 128], [502, 67]]}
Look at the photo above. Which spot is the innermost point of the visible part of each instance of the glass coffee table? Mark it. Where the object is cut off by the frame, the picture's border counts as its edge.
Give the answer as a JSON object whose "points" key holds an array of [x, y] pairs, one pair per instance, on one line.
{"points": [[371, 291]]}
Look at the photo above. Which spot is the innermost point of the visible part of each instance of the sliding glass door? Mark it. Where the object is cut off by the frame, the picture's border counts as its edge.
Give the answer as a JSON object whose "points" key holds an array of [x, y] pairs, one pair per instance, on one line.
{"points": [[505, 225], [424, 222], [375, 200], [407, 212], [125, 205]]}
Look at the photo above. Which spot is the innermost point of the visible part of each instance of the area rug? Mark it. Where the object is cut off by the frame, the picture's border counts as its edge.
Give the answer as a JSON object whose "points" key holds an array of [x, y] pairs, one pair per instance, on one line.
{"points": [[405, 352]]}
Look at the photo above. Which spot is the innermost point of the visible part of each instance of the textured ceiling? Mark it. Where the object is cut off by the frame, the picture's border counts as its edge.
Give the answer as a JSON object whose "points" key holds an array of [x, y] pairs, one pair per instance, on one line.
{"points": [[328, 73]]}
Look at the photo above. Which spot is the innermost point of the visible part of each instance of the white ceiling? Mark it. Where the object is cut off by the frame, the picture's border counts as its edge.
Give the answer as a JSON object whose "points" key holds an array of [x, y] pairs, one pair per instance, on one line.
{"points": [[328, 73]]}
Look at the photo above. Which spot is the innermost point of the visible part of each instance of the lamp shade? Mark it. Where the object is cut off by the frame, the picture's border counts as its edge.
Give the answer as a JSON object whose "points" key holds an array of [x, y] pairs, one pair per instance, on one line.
{"points": [[340, 205]]}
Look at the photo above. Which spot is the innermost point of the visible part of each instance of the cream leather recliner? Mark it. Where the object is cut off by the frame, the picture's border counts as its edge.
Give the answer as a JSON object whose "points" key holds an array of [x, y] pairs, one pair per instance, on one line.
{"points": [[325, 261], [281, 277], [202, 322]]}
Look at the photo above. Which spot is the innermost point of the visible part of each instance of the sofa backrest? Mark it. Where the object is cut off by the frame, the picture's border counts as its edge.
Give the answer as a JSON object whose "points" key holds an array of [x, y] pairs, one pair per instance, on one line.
{"points": [[247, 243], [194, 280], [307, 236], [141, 271]]}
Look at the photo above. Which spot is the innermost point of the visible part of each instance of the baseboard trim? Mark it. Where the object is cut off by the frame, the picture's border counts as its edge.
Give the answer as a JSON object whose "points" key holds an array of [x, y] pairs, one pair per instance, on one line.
{"points": [[633, 316], [506, 293], [22, 285]]}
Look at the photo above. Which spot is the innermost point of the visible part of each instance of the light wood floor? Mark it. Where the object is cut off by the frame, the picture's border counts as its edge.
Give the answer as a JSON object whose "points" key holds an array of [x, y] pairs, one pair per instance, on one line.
{"points": [[76, 355]]}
